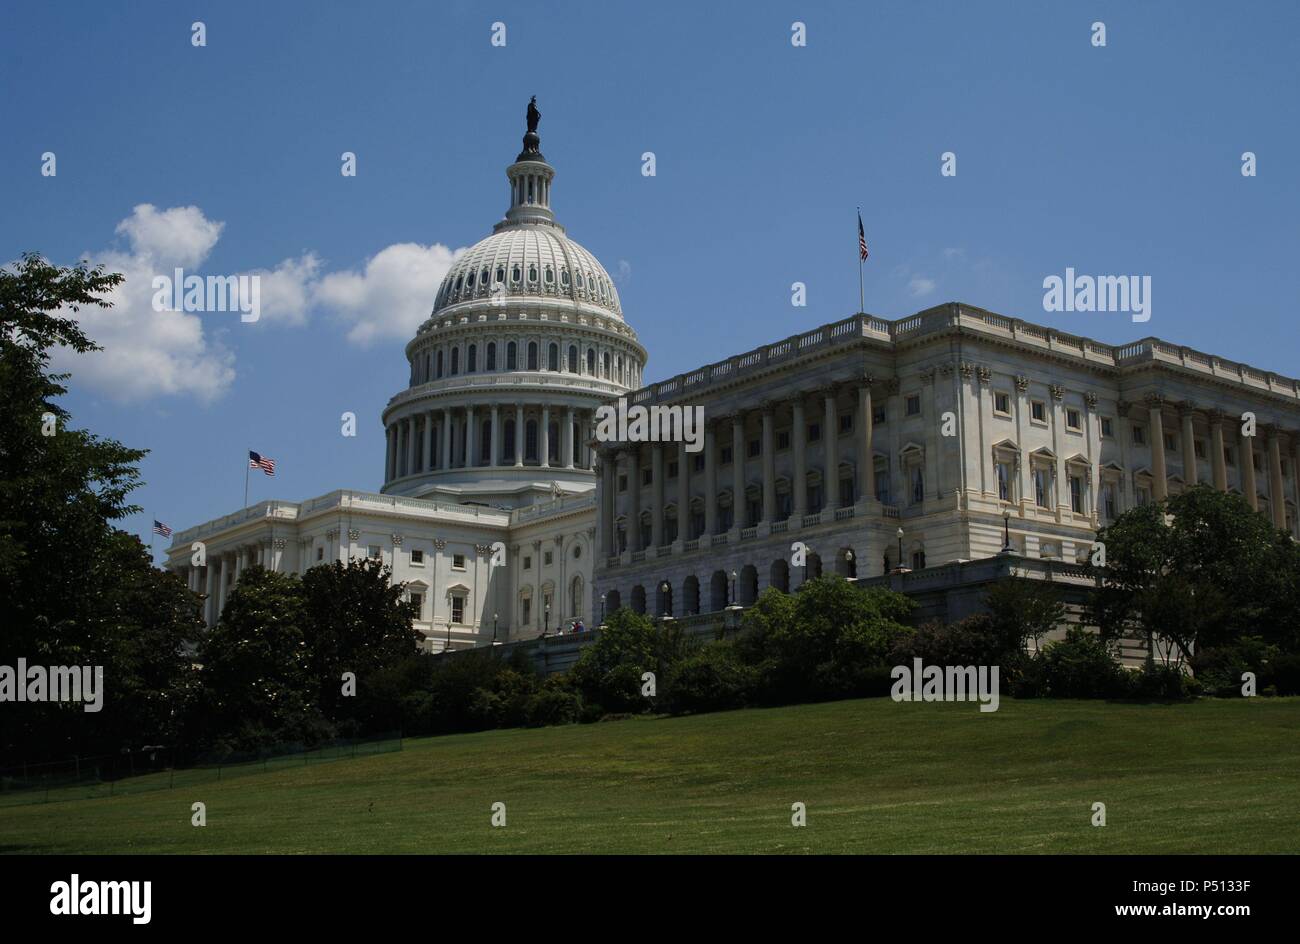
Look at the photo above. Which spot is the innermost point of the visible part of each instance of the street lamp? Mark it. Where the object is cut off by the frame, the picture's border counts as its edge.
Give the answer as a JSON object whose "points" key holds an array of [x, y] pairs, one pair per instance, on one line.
{"points": [[546, 620], [733, 588], [1006, 531], [494, 630], [848, 560], [602, 609], [900, 546], [664, 588]]}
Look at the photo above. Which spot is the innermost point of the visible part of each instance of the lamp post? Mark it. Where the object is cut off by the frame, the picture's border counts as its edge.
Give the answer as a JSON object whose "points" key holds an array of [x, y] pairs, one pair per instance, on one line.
{"points": [[602, 609], [664, 588], [733, 588], [848, 559], [447, 647], [1006, 532], [900, 547], [546, 620], [494, 630]]}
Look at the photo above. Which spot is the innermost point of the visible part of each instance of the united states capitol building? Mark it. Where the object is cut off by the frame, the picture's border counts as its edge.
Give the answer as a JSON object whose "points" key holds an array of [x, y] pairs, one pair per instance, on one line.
{"points": [[910, 449]]}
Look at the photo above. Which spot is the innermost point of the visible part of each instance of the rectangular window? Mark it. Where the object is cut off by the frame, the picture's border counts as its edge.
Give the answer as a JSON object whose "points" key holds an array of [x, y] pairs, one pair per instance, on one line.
{"points": [[622, 483], [647, 476], [882, 486], [1004, 481], [547, 558], [1108, 499], [878, 414], [814, 499], [458, 609], [1107, 427], [914, 405], [528, 611], [1198, 446], [726, 455], [1076, 494], [1143, 495], [373, 552], [918, 485], [1072, 420], [699, 463], [814, 432], [528, 562], [755, 448], [1171, 442], [417, 558], [783, 439], [418, 600], [458, 562], [1139, 435], [320, 553], [1038, 411], [672, 470], [1002, 403], [1041, 491], [846, 422], [1228, 458]]}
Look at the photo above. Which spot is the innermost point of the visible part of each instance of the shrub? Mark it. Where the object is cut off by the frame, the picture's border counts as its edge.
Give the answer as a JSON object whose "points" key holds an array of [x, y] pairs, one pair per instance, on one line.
{"points": [[1286, 674], [608, 672], [1154, 680], [1219, 669], [553, 703], [713, 679], [1082, 666]]}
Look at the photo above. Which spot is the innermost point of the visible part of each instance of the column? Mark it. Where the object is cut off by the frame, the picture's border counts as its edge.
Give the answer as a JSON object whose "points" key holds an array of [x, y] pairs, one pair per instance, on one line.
{"points": [[221, 587], [566, 441], [1058, 446], [866, 457], [389, 453], [519, 435], [1276, 496], [446, 438], [1246, 465], [428, 440], [1157, 443], [656, 495], [799, 487], [1022, 417], [1218, 466], [494, 455], [210, 604], [830, 439], [769, 465], [710, 481], [411, 444], [608, 497], [1124, 433], [544, 439], [684, 460], [738, 471], [1189, 444], [634, 497], [471, 438]]}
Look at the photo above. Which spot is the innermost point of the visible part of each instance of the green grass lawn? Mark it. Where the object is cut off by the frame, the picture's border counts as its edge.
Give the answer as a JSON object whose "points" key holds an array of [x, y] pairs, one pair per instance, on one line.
{"points": [[1206, 777]]}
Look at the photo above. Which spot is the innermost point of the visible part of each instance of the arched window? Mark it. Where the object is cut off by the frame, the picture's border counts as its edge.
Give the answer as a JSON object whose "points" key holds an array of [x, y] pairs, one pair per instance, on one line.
{"points": [[471, 361], [516, 274], [508, 446], [532, 274], [575, 598], [455, 361], [485, 444], [483, 278], [439, 364], [510, 356], [530, 441], [564, 277], [491, 355], [550, 275], [532, 355], [591, 361], [606, 373], [553, 357], [501, 273], [573, 358], [553, 444]]}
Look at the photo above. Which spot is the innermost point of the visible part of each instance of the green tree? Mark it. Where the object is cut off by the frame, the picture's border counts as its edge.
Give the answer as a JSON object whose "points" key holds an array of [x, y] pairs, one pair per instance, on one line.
{"points": [[1200, 570], [609, 671], [1021, 609]]}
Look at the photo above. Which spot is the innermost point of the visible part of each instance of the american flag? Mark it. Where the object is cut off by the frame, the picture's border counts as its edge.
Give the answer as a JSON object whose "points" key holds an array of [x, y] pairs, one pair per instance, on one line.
{"points": [[265, 463], [160, 528], [862, 240]]}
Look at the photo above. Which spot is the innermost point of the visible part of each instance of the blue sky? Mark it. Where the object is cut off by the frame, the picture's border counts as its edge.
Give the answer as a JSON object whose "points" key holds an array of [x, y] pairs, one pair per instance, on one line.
{"points": [[1118, 160]]}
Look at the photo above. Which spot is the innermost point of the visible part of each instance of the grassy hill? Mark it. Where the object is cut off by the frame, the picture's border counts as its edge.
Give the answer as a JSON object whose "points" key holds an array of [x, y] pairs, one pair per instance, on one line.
{"points": [[1206, 777]]}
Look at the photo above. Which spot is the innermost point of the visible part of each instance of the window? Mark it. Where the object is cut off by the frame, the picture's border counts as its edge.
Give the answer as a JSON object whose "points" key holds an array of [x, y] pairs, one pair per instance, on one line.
{"points": [[439, 363], [914, 405], [918, 560], [577, 551], [878, 413], [814, 432], [1228, 458], [1139, 435], [783, 439], [882, 486], [622, 482], [457, 608], [1108, 500], [1072, 420], [455, 361], [417, 558], [846, 492], [373, 552], [1004, 481], [647, 476], [814, 499], [511, 359], [591, 360], [672, 470], [699, 463], [1143, 495], [1171, 442], [573, 358], [320, 553], [1076, 494], [1042, 488], [918, 485], [532, 355], [1038, 411], [846, 422], [492, 355], [471, 359], [527, 611], [1198, 447], [755, 448], [546, 559], [418, 600], [1107, 427], [458, 562], [1002, 403], [726, 455], [553, 357], [528, 562]]}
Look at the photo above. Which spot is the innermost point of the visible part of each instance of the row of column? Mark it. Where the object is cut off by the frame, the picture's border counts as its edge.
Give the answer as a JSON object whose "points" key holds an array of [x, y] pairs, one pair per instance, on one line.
{"points": [[611, 363], [222, 571], [733, 427], [438, 441]]}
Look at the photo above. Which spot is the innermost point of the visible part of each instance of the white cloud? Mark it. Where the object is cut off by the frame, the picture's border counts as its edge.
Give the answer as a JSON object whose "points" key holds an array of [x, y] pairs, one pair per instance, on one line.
{"points": [[287, 290], [920, 287], [147, 352], [392, 296]]}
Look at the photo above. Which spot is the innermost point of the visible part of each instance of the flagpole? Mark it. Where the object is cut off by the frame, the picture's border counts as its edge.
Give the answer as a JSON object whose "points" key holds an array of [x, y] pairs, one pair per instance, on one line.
{"points": [[246, 467], [861, 301]]}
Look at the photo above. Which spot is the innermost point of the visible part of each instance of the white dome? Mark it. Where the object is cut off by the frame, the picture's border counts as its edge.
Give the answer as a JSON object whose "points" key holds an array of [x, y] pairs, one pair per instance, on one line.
{"points": [[529, 261]]}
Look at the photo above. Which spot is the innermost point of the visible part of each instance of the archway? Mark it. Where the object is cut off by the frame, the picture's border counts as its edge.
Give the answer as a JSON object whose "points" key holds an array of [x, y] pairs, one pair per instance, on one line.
{"points": [[718, 591], [779, 575]]}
